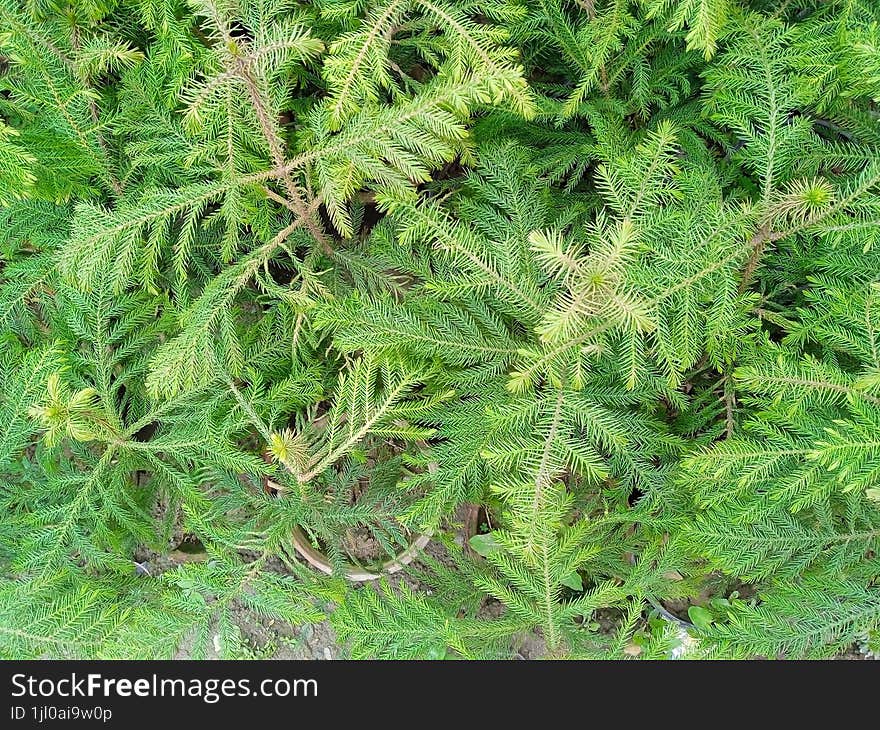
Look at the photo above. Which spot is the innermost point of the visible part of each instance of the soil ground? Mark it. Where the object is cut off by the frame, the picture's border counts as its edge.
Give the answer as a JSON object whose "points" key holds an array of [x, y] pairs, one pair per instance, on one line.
{"points": [[279, 640]]}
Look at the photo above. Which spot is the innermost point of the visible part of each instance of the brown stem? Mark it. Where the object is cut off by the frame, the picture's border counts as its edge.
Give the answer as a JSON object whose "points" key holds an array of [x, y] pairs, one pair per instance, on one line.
{"points": [[604, 82], [729, 407], [276, 149], [589, 6], [758, 244]]}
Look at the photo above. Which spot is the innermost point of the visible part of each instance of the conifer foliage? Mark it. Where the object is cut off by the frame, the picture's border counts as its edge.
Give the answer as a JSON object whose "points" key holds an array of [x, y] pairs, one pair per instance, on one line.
{"points": [[450, 322]]}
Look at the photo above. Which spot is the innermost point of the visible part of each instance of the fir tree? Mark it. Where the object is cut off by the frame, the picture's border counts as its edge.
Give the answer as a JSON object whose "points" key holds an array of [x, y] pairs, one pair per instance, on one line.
{"points": [[283, 276]]}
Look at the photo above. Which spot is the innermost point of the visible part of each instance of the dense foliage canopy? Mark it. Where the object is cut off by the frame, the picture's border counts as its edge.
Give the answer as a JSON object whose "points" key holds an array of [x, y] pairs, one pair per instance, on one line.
{"points": [[587, 291]]}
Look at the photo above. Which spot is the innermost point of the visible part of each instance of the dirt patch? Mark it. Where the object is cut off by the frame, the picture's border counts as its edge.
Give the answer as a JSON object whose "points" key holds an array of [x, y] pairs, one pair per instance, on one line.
{"points": [[279, 640], [361, 545]]}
